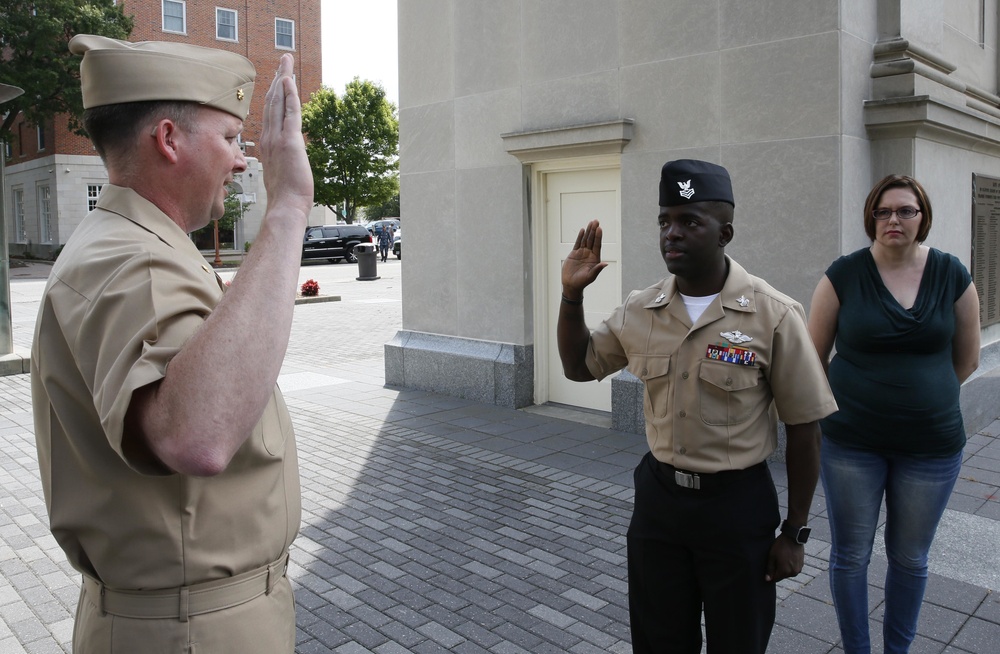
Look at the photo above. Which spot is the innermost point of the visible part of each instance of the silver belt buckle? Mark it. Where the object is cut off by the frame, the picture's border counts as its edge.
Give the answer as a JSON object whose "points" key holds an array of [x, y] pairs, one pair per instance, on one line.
{"points": [[687, 480]]}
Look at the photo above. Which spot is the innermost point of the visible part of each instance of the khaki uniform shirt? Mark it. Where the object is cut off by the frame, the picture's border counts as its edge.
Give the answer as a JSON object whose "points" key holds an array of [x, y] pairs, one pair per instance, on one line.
{"points": [[126, 293], [715, 389]]}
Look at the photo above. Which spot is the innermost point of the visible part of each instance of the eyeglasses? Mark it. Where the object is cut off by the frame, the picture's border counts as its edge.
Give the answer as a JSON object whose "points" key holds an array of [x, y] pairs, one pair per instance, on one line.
{"points": [[904, 213]]}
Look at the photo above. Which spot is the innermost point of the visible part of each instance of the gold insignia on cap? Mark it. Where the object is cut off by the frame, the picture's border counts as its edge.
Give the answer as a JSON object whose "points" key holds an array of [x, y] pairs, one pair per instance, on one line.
{"points": [[239, 94]]}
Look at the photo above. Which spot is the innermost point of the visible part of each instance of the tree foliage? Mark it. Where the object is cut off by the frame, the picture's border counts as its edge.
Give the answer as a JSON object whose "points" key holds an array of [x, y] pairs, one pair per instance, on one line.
{"points": [[353, 145], [235, 209], [35, 54], [388, 209]]}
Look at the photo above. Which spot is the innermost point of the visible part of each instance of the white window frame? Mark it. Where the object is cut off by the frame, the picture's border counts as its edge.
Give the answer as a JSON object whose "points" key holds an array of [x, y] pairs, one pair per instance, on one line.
{"points": [[45, 213], [93, 191], [163, 16], [40, 135], [220, 11], [17, 205], [277, 45]]}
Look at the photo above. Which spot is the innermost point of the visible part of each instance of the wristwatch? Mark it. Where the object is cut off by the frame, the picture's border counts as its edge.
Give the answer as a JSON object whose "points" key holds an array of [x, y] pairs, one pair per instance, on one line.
{"points": [[799, 534]]}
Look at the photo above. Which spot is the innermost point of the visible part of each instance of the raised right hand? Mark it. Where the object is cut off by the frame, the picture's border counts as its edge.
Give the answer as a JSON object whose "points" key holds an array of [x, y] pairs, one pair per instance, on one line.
{"points": [[583, 264], [288, 177]]}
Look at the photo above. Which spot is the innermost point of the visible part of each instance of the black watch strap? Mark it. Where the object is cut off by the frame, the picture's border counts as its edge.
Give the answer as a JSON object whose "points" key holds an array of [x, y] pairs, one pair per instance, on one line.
{"points": [[798, 534]]}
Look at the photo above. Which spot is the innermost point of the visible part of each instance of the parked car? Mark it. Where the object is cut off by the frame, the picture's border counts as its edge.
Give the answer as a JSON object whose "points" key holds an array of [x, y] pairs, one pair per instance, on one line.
{"points": [[397, 246], [376, 226], [333, 242]]}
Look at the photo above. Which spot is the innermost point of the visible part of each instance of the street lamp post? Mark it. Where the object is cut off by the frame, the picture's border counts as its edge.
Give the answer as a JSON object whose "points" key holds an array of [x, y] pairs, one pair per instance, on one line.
{"points": [[7, 92], [6, 324], [218, 259]]}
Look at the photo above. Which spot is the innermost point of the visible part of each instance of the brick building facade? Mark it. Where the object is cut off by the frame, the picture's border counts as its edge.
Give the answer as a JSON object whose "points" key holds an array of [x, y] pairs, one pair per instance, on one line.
{"points": [[53, 175]]}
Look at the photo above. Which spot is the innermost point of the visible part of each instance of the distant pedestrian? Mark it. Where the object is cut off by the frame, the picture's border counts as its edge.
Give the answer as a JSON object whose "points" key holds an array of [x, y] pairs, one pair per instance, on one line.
{"points": [[385, 241]]}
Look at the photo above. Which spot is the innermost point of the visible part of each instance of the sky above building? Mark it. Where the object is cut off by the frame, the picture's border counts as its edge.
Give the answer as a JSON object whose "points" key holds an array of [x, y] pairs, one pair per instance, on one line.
{"points": [[359, 40]]}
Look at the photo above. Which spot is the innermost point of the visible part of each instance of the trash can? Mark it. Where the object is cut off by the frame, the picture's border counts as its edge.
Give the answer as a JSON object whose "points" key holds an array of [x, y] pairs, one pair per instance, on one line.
{"points": [[367, 268]]}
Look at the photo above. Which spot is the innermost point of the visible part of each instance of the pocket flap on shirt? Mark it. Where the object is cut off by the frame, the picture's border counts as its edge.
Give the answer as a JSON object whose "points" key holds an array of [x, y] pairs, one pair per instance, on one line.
{"points": [[729, 376], [649, 367]]}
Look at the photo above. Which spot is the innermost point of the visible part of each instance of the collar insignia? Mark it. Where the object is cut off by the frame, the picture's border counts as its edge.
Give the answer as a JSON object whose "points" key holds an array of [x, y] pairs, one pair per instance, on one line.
{"points": [[686, 189], [744, 302], [659, 298], [736, 337], [239, 94]]}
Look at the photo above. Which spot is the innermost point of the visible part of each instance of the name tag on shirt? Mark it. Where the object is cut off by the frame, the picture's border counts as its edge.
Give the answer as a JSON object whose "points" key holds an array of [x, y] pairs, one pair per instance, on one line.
{"points": [[731, 354]]}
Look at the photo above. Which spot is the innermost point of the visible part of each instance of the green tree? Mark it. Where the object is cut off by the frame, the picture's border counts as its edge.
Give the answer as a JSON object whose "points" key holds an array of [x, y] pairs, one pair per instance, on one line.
{"points": [[353, 145], [204, 238], [388, 209], [34, 35]]}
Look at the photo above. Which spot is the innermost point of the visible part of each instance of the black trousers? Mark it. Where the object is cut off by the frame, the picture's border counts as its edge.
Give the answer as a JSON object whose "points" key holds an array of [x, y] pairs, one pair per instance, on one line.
{"points": [[693, 549]]}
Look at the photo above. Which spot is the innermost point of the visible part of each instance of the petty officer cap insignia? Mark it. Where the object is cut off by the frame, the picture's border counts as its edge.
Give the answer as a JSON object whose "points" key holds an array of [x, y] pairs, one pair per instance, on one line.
{"points": [[687, 181], [115, 72]]}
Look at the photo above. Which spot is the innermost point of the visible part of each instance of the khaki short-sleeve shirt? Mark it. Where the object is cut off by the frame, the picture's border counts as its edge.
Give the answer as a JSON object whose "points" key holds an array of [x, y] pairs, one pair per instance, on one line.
{"points": [[715, 389], [126, 293]]}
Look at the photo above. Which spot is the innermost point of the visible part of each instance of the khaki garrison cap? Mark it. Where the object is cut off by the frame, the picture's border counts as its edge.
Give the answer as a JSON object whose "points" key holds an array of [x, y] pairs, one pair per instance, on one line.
{"points": [[115, 72]]}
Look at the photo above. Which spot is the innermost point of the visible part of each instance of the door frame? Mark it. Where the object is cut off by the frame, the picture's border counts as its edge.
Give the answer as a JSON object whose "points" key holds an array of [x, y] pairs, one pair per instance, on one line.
{"points": [[539, 248]]}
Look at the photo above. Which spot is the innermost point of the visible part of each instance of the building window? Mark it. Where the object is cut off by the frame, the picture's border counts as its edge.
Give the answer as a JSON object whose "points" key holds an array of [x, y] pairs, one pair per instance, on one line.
{"points": [[175, 16], [225, 24], [93, 190], [40, 130], [17, 197], [45, 213], [284, 34]]}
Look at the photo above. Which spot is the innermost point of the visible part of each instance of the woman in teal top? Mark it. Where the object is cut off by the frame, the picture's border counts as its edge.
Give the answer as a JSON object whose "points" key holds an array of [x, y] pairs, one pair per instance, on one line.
{"points": [[905, 321]]}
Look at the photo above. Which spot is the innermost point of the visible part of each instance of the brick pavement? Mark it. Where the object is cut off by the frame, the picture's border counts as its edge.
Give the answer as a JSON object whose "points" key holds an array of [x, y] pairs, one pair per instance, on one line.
{"points": [[434, 524]]}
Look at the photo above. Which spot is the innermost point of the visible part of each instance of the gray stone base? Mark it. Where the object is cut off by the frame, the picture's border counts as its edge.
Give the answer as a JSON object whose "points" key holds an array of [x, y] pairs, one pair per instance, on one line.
{"points": [[627, 414], [16, 363], [503, 374], [484, 371], [981, 393]]}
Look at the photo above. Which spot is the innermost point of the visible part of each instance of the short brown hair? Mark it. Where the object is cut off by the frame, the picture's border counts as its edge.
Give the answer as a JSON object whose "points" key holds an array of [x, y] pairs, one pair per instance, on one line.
{"points": [[114, 128], [899, 181]]}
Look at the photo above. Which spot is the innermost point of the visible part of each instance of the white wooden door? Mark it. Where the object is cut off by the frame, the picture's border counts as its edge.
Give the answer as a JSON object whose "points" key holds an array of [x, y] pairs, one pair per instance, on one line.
{"points": [[572, 199]]}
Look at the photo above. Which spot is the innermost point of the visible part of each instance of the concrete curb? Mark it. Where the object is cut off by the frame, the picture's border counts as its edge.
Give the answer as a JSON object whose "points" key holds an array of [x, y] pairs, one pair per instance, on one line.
{"points": [[317, 298]]}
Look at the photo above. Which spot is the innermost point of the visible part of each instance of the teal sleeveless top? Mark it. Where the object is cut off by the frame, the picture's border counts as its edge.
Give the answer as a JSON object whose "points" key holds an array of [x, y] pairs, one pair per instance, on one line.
{"points": [[892, 374]]}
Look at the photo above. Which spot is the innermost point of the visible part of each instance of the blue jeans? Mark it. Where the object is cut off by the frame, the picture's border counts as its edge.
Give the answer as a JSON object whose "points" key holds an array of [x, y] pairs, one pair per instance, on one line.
{"points": [[916, 492]]}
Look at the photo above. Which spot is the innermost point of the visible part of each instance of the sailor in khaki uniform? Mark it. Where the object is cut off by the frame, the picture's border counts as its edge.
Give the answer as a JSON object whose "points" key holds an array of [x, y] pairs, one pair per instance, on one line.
{"points": [[165, 448], [723, 355]]}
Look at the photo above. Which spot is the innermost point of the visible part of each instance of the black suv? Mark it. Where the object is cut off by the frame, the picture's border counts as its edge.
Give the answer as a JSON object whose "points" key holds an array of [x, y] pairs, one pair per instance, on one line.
{"points": [[333, 242]]}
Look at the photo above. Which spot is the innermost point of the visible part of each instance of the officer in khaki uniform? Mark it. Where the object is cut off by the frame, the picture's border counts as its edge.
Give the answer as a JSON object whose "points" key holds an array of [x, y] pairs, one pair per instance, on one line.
{"points": [[723, 355], [165, 448]]}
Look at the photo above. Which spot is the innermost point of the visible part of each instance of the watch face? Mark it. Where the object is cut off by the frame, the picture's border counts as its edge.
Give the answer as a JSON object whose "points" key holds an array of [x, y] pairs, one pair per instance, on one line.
{"points": [[799, 534]]}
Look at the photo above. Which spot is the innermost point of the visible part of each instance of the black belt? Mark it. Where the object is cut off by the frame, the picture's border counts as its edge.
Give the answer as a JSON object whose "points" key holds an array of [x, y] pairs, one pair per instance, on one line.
{"points": [[707, 480]]}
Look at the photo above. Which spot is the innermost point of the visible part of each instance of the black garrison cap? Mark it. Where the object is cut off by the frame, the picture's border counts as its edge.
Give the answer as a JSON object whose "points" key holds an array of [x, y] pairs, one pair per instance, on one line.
{"points": [[686, 181]]}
